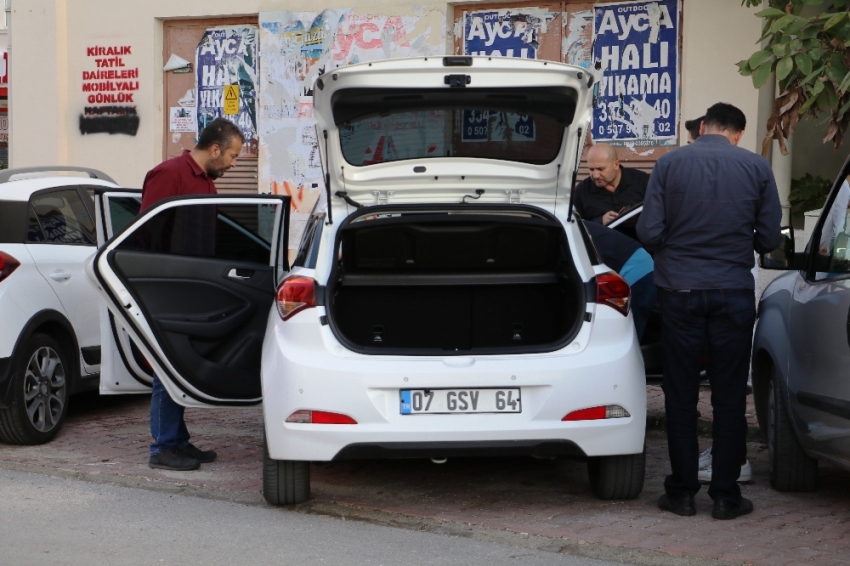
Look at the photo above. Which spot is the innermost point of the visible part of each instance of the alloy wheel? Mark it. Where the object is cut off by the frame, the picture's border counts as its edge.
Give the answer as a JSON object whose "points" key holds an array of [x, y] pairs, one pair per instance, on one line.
{"points": [[45, 390]]}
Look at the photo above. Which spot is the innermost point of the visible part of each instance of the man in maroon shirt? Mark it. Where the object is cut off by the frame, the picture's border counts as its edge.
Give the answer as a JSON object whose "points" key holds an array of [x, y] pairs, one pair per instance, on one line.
{"points": [[192, 173]]}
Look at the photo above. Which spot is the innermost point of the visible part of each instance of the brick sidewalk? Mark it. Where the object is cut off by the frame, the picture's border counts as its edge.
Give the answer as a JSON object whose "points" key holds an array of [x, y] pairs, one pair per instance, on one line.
{"points": [[107, 439]]}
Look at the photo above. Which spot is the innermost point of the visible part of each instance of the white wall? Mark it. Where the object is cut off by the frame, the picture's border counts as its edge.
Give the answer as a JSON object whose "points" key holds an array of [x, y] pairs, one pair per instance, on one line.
{"points": [[716, 35]]}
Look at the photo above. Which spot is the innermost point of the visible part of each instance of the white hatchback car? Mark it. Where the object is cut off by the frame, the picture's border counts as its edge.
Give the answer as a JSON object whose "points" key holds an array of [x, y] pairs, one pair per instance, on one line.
{"points": [[446, 305]]}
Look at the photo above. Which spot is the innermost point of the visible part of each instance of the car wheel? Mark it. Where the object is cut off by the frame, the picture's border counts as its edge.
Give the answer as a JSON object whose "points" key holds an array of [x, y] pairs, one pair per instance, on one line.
{"points": [[617, 477], [39, 393], [791, 469], [285, 482]]}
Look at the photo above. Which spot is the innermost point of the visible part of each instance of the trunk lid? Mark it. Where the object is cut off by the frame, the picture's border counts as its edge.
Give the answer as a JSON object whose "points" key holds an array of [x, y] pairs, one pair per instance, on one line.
{"points": [[445, 130]]}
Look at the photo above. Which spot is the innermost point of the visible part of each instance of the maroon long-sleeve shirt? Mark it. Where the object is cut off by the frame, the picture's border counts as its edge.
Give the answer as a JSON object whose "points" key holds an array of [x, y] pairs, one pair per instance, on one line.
{"points": [[178, 176]]}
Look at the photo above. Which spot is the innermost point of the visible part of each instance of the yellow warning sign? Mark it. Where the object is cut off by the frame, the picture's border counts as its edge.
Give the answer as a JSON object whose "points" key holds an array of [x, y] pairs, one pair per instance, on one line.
{"points": [[231, 99]]}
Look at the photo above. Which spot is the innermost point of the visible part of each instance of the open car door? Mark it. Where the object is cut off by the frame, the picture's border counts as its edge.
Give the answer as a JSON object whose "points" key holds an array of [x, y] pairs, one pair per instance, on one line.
{"points": [[123, 368], [192, 280]]}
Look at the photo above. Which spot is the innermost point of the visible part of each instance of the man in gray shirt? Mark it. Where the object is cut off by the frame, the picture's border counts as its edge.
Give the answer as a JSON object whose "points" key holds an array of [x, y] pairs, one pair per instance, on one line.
{"points": [[708, 206]]}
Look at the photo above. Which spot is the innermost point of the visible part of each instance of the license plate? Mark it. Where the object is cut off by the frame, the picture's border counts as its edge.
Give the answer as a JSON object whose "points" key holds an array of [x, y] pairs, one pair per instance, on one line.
{"points": [[448, 401]]}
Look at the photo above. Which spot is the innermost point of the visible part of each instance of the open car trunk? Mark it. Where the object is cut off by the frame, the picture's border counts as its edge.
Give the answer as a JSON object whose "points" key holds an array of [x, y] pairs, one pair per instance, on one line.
{"points": [[454, 280]]}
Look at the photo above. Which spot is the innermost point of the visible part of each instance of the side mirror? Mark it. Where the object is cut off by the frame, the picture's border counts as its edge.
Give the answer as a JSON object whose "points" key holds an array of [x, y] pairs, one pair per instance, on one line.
{"points": [[784, 257]]}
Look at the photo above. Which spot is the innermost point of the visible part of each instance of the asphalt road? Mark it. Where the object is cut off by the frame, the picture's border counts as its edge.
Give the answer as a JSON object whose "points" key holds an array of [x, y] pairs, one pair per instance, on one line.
{"points": [[46, 520]]}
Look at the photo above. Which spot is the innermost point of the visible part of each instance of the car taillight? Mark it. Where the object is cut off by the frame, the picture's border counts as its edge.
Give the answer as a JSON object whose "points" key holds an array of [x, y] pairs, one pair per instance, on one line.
{"points": [[597, 413], [612, 290], [319, 417], [8, 264], [295, 294]]}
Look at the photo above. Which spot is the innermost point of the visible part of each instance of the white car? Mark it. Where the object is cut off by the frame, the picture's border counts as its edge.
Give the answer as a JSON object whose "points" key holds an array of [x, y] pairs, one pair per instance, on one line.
{"points": [[446, 305], [50, 336]]}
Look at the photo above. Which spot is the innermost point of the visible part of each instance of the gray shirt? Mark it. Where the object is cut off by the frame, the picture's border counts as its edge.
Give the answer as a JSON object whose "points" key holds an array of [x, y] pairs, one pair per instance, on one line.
{"points": [[707, 207]]}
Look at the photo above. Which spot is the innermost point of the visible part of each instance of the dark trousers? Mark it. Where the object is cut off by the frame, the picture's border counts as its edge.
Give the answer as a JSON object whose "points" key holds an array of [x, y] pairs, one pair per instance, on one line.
{"points": [[643, 297], [168, 428], [719, 323]]}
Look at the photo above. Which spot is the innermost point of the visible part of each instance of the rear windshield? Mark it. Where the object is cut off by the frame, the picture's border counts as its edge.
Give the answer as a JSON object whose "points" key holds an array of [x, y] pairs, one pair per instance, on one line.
{"points": [[505, 124]]}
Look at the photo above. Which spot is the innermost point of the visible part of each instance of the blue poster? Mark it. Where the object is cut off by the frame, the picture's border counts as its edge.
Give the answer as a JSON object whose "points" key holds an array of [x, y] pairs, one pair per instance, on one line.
{"points": [[504, 33], [228, 56], [637, 46]]}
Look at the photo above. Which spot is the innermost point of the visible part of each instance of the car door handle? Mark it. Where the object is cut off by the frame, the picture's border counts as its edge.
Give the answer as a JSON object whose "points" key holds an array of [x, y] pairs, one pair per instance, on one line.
{"points": [[241, 274], [60, 275]]}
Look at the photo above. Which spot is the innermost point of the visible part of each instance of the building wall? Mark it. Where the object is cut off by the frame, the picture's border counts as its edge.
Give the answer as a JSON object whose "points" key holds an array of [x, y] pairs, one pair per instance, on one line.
{"points": [[48, 56]]}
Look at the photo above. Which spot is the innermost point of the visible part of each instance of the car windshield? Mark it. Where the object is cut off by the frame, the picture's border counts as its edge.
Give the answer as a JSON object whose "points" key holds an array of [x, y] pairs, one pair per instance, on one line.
{"points": [[505, 124]]}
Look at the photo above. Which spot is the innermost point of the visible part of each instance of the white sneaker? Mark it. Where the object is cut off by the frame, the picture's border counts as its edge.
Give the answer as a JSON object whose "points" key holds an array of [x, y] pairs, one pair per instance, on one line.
{"points": [[704, 474], [705, 459]]}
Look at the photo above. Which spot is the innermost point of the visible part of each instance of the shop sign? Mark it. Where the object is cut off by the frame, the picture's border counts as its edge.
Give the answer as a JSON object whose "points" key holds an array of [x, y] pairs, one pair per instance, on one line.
{"points": [[110, 85], [637, 46]]}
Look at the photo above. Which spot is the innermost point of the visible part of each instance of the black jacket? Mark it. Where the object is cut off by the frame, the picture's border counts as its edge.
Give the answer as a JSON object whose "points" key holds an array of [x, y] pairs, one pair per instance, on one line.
{"points": [[593, 202]]}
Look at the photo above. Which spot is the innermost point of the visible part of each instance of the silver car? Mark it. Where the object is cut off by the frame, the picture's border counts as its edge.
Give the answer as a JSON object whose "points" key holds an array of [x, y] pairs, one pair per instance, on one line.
{"points": [[801, 349]]}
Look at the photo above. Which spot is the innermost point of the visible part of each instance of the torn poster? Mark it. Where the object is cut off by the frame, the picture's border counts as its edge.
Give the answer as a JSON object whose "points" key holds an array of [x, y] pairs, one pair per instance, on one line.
{"points": [[637, 46], [296, 48], [505, 33], [228, 56]]}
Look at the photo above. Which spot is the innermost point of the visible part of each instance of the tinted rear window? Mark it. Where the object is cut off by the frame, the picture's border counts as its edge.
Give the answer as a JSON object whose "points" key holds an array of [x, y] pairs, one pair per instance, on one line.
{"points": [[13, 222], [380, 126]]}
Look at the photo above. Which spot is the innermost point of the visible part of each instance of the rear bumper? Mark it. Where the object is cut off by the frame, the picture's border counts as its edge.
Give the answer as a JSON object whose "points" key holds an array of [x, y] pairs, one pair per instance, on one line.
{"points": [[301, 373], [382, 450]]}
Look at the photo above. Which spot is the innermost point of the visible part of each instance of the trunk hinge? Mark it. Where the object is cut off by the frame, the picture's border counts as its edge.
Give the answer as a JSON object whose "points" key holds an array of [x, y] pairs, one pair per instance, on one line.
{"points": [[383, 197], [515, 196]]}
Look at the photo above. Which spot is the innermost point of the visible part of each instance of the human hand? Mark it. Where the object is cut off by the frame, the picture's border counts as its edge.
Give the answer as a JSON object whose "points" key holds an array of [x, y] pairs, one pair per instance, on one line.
{"points": [[609, 217]]}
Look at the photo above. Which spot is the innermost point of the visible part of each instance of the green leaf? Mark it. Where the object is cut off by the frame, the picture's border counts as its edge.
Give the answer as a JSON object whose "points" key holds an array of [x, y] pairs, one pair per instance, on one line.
{"points": [[803, 63], [784, 67], [794, 28], [770, 13], [828, 100], [844, 84], [817, 88], [806, 105], [810, 32], [758, 58], [782, 22], [780, 49], [812, 76], [835, 68], [844, 109], [761, 75], [833, 21], [744, 68]]}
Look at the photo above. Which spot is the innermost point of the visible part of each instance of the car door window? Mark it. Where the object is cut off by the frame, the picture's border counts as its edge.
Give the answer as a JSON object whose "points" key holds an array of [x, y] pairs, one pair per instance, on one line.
{"points": [[60, 217], [228, 232], [833, 253]]}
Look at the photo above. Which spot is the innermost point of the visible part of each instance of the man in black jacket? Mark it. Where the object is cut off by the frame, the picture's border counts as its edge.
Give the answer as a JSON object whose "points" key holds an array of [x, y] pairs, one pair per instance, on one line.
{"points": [[610, 188], [708, 206]]}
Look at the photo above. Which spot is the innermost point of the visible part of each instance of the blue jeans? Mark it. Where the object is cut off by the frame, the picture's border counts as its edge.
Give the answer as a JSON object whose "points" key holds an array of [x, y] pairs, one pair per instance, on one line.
{"points": [[168, 428], [718, 322], [643, 297]]}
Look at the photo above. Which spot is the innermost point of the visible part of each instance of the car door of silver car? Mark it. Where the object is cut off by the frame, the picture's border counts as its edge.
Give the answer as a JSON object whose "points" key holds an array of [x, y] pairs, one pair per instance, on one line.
{"points": [[819, 340]]}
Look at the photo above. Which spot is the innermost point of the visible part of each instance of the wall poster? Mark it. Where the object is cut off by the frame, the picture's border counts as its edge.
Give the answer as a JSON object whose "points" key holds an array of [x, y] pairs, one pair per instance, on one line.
{"points": [[296, 48], [637, 46], [227, 56]]}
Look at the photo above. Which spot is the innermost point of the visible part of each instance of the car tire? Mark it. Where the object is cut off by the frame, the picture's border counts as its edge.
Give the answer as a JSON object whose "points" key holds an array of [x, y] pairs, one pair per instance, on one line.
{"points": [[285, 482], [617, 477], [791, 469], [38, 397]]}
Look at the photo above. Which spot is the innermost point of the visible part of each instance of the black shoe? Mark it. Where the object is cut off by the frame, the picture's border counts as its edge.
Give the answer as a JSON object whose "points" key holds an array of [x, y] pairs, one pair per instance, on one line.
{"points": [[202, 456], [725, 509], [173, 459], [679, 504]]}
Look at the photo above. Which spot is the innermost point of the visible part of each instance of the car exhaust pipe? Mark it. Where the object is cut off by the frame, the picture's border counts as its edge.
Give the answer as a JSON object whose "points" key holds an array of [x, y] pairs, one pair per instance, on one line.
{"points": [[439, 460]]}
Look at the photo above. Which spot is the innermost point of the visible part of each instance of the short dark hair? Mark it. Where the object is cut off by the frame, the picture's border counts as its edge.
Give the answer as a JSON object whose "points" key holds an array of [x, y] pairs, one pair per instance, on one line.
{"points": [[693, 126], [219, 132], [725, 117]]}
